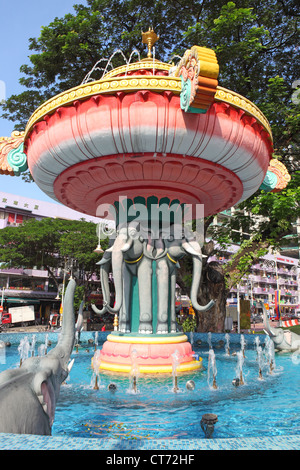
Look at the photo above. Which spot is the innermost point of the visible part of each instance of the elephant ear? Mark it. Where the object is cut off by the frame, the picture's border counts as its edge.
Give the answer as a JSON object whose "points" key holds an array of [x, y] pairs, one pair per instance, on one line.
{"points": [[44, 390]]}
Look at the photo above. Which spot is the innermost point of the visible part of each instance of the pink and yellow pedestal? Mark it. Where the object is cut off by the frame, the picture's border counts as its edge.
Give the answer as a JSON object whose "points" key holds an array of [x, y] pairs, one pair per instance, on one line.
{"points": [[153, 353]]}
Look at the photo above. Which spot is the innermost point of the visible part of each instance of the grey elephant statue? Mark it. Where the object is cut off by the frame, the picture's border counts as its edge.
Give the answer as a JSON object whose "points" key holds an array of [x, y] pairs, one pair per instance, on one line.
{"points": [[28, 395], [133, 254], [284, 340], [173, 250], [126, 258]]}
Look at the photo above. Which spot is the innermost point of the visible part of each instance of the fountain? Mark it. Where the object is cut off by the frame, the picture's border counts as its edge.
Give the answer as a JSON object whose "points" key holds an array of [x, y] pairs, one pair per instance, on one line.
{"points": [[24, 348], [270, 354], [212, 369], [175, 364], [115, 407], [46, 343], [96, 365], [227, 341], [134, 371], [239, 367], [149, 151], [77, 341], [152, 147], [256, 342], [32, 346], [41, 350], [243, 344], [192, 338], [260, 359]]}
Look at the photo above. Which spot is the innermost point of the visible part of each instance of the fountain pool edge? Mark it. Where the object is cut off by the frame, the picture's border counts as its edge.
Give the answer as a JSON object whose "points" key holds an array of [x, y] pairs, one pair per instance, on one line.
{"points": [[34, 442]]}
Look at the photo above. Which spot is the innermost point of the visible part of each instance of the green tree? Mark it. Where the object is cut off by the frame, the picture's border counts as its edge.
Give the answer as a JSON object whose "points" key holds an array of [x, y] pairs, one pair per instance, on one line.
{"points": [[51, 244]]}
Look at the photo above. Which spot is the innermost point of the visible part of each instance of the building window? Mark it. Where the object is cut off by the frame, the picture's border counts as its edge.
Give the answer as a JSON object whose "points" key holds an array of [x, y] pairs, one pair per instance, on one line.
{"points": [[14, 218]]}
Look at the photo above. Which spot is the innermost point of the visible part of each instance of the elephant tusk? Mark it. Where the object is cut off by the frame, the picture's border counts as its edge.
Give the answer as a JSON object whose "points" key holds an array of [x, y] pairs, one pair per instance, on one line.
{"points": [[70, 365], [127, 245]]}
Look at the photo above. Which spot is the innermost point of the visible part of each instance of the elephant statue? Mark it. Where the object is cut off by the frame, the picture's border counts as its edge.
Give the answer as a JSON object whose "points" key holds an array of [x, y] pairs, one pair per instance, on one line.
{"points": [[126, 257], [174, 250], [284, 340], [28, 395], [132, 254]]}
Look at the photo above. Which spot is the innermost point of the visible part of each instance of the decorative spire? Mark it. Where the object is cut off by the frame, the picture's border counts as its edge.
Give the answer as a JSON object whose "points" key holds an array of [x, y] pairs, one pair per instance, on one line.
{"points": [[149, 38]]}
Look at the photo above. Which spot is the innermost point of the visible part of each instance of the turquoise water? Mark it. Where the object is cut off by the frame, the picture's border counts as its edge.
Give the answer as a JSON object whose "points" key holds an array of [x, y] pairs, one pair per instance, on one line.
{"points": [[261, 407]]}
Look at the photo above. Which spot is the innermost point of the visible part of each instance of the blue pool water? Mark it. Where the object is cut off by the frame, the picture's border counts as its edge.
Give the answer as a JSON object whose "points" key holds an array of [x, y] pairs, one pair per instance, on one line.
{"points": [[261, 407]]}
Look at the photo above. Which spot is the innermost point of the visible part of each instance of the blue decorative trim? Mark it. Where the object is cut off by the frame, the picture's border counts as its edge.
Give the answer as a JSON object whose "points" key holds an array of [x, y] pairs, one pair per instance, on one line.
{"points": [[269, 181], [17, 159]]}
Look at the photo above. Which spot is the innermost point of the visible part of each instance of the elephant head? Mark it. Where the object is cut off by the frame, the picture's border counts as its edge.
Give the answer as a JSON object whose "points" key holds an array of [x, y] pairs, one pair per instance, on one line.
{"points": [[284, 340], [128, 244], [153, 241], [176, 250], [28, 395]]}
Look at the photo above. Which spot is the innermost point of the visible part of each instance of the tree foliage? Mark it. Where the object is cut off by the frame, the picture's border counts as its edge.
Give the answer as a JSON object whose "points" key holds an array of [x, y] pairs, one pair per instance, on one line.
{"points": [[50, 244]]}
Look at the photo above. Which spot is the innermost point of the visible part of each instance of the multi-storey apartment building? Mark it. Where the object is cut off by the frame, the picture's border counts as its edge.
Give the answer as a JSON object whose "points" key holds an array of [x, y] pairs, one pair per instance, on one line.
{"points": [[274, 272]]}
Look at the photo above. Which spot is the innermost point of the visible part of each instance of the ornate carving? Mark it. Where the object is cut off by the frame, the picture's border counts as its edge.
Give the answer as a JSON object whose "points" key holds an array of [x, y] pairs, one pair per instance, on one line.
{"points": [[13, 160], [283, 176], [238, 101], [199, 71], [110, 85], [157, 84], [149, 38], [105, 178], [277, 177]]}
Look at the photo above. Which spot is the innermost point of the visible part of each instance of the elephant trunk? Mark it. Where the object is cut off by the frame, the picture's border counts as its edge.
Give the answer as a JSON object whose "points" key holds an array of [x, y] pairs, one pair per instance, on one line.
{"points": [[197, 270], [154, 249], [117, 264], [66, 339], [104, 273]]}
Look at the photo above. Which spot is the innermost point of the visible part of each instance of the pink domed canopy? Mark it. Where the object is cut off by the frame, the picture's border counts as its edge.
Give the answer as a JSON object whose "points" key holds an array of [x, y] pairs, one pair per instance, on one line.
{"points": [[127, 135]]}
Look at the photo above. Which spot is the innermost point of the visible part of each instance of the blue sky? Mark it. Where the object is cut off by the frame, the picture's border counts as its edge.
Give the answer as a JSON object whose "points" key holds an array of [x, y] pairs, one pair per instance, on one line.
{"points": [[21, 20]]}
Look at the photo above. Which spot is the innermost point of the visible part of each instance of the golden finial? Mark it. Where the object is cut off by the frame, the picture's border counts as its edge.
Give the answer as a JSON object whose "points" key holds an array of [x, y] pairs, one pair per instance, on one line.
{"points": [[149, 38]]}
